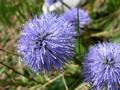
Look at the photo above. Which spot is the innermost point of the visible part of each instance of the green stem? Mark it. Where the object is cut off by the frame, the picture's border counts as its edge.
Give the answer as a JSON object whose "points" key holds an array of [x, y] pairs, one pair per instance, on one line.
{"points": [[66, 87], [78, 31], [65, 4]]}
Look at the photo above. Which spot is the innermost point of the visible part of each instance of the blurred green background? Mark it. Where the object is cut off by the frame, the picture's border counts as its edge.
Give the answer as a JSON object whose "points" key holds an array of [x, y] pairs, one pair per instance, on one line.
{"points": [[104, 26]]}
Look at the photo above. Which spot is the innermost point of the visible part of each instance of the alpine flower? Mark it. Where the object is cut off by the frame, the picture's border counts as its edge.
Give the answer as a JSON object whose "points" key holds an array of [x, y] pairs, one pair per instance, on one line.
{"points": [[102, 66], [46, 43], [72, 16]]}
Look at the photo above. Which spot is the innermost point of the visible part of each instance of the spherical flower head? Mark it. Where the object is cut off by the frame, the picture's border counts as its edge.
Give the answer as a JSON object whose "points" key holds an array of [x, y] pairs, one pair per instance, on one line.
{"points": [[50, 2], [102, 66], [46, 43], [72, 16]]}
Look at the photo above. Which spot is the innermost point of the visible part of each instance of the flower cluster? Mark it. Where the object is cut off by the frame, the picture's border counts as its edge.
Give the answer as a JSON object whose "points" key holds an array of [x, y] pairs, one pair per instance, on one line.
{"points": [[102, 66], [46, 42]]}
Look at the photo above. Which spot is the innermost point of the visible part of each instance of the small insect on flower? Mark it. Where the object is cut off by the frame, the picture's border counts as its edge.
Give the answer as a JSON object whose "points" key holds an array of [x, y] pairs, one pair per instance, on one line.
{"points": [[46, 42], [72, 16], [102, 66]]}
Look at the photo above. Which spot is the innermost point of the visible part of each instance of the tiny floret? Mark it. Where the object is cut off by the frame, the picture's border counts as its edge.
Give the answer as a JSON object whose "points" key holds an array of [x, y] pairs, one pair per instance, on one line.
{"points": [[46, 43], [102, 66], [50, 2]]}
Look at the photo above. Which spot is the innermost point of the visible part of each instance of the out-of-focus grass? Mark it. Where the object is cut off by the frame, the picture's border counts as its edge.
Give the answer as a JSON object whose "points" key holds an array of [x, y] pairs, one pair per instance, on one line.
{"points": [[13, 12], [104, 26]]}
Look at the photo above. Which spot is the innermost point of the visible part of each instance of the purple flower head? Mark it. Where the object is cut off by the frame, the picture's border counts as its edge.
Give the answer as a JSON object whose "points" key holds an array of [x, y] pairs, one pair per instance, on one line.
{"points": [[50, 2], [102, 66], [46, 43], [72, 16]]}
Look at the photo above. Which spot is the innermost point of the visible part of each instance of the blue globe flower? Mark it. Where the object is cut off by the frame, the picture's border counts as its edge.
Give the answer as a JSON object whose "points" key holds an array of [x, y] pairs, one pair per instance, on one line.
{"points": [[46, 43], [102, 66], [72, 16]]}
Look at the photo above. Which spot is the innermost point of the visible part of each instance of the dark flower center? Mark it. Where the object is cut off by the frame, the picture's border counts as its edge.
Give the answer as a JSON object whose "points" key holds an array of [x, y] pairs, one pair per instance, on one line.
{"points": [[40, 39], [109, 61]]}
